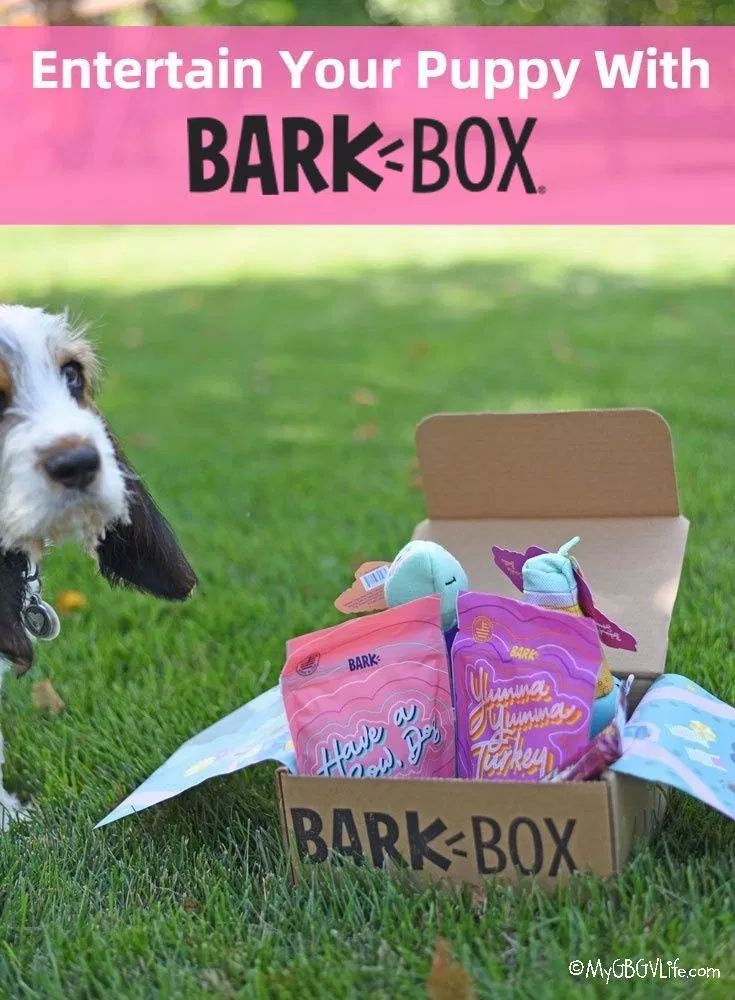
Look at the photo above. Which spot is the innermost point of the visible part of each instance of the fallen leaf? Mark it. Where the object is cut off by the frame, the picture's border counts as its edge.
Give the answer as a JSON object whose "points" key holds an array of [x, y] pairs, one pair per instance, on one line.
{"points": [[561, 349], [133, 338], [214, 981], [45, 698], [260, 379], [448, 980], [192, 300], [418, 350], [477, 898], [364, 397], [70, 600], [366, 432], [512, 286], [141, 440], [415, 482]]}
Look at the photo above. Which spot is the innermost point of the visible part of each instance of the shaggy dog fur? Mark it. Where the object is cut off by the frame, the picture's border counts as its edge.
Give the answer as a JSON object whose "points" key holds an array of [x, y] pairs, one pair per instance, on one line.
{"points": [[63, 476]]}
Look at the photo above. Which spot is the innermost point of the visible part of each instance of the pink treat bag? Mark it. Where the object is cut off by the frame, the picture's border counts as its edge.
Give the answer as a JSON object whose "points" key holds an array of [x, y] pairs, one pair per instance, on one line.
{"points": [[524, 681], [372, 698]]}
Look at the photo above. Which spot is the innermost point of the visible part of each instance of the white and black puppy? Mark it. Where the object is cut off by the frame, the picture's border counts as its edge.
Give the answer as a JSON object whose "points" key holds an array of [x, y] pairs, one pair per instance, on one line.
{"points": [[63, 476]]}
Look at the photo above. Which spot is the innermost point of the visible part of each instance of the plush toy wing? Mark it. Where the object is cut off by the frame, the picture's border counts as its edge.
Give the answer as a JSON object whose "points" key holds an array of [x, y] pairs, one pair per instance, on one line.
{"points": [[611, 634], [511, 562]]}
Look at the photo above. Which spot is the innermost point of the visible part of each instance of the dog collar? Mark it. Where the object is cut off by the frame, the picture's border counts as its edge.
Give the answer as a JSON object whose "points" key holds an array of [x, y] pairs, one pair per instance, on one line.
{"points": [[39, 618]]}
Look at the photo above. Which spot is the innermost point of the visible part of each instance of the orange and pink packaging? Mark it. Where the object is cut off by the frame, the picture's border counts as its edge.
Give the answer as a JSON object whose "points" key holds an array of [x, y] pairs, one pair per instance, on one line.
{"points": [[372, 698], [375, 696]]}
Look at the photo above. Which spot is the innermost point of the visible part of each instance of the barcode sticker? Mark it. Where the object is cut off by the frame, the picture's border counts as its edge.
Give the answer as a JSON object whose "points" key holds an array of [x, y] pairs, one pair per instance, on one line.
{"points": [[366, 593], [375, 578]]}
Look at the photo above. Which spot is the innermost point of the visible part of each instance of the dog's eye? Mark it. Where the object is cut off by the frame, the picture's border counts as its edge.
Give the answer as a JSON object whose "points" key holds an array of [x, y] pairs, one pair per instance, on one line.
{"points": [[3, 402], [73, 375]]}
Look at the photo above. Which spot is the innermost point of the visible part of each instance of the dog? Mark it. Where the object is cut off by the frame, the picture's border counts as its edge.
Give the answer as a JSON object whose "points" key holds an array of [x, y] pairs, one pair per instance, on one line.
{"points": [[63, 476]]}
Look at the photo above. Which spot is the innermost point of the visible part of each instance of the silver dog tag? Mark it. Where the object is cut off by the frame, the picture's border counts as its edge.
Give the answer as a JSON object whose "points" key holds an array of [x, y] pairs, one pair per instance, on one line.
{"points": [[40, 619]]}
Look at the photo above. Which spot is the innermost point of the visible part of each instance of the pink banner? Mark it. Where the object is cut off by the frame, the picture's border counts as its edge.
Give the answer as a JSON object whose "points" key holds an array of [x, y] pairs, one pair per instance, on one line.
{"points": [[368, 125]]}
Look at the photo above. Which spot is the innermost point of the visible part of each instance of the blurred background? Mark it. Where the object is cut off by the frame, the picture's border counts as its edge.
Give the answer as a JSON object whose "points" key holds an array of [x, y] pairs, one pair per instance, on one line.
{"points": [[353, 12]]}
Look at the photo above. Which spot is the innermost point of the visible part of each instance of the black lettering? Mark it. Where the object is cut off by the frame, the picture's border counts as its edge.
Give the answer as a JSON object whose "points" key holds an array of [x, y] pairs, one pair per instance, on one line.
{"points": [[516, 159], [302, 158], [347, 151], [460, 154], [382, 844], [306, 835], [418, 842], [343, 824], [201, 154], [561, 843], [538, 847], [255, 133], [433, 155], [482, 845]]}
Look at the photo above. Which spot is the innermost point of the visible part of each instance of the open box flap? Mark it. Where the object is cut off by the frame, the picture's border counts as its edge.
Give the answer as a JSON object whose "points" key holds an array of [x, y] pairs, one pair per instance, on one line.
{"points": [[516, 480], [588, 463]]}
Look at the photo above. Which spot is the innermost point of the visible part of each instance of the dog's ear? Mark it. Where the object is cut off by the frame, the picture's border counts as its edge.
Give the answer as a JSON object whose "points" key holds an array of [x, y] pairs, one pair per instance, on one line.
{"points": [[15, 645], [142, 552]]}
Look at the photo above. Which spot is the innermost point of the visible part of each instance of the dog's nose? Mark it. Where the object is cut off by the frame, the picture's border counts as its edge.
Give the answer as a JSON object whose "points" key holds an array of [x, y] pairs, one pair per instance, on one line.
{"points": [[74, 468]]}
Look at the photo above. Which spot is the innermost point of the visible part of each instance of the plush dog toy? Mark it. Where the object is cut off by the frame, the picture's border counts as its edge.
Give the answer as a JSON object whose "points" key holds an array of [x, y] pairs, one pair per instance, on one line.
{"points": [[549, 581], [422, 568]]}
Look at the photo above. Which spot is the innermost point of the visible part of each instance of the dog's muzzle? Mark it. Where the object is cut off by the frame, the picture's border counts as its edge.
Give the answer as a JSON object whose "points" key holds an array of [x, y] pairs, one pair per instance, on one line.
{"points": [[74, 468]]}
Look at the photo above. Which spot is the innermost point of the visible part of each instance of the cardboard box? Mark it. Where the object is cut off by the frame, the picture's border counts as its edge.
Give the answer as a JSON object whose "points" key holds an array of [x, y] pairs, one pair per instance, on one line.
{"points": [[516, 480]]}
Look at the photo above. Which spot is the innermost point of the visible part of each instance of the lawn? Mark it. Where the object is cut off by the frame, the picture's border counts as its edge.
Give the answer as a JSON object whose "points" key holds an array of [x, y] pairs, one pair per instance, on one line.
{"points": [[234, 361]]}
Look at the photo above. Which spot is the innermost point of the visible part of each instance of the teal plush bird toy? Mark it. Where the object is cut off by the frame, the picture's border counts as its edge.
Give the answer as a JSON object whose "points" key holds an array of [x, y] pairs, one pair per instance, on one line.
{"points": [[422, 568]]}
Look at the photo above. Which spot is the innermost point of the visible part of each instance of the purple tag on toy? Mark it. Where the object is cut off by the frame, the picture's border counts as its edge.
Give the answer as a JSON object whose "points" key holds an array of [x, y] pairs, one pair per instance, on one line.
{"points": [[511, 563], [524, 682]]}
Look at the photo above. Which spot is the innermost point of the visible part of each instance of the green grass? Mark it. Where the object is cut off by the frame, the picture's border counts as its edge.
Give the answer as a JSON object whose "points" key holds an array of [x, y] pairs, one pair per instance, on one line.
{"points": [[232, 358]]}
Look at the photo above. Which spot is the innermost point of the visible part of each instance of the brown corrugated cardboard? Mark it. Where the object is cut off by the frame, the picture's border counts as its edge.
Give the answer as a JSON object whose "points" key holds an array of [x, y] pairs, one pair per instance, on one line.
{"points": [[468, 831], [635, 808], [586, 463], [516, 480]]}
